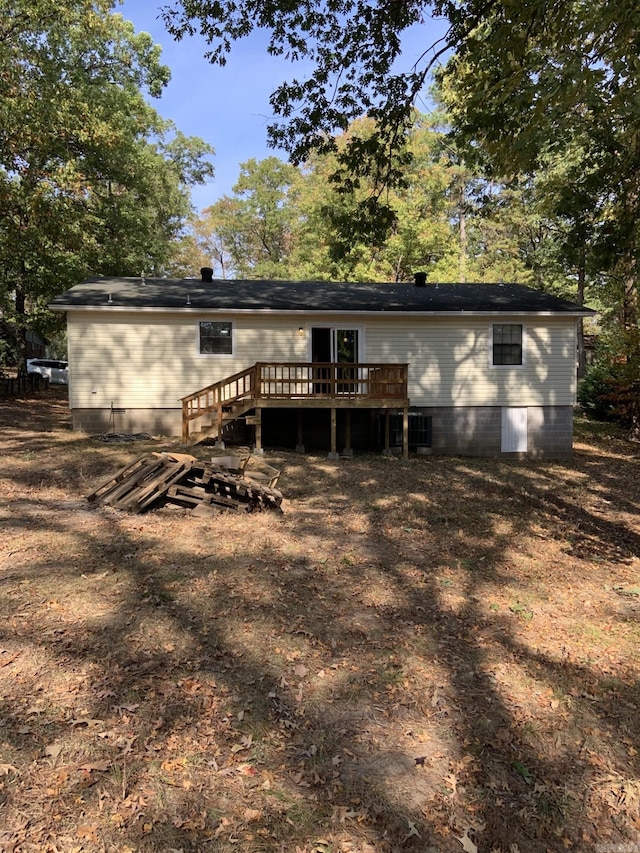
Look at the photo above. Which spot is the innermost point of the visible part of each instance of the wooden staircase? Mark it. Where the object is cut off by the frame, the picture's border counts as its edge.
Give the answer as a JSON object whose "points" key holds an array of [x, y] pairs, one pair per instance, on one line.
{"points": [[218, 405], [206, 412]]}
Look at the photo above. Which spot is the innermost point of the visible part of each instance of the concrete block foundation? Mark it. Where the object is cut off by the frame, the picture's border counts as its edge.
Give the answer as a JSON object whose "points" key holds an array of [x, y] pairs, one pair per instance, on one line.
{"points": [[473, 431]]}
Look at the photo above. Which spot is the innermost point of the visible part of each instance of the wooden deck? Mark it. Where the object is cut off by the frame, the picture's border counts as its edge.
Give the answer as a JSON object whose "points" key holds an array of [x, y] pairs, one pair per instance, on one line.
{"points": [[294, 385]]}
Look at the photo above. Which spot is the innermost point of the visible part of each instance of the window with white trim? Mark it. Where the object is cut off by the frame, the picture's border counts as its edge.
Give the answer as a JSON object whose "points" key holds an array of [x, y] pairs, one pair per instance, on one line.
{"points": [[507, 341], [216, 337]]}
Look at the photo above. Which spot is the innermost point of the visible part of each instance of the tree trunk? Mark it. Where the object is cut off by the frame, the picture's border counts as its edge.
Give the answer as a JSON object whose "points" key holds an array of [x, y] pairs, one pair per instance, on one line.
{"points": [[21, 322], [630, 315], [398, 268], [630, 303], [630, 261], [21, 318], [582, 358], [463, 246]]}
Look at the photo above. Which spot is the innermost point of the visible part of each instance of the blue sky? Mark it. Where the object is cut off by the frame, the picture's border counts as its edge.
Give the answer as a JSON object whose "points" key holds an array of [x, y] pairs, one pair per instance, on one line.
{"points": [[229, 107]]}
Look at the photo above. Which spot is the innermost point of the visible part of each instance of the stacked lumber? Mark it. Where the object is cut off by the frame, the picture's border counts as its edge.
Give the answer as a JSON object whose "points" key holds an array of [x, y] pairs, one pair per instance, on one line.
{"points": [[177, 478]]}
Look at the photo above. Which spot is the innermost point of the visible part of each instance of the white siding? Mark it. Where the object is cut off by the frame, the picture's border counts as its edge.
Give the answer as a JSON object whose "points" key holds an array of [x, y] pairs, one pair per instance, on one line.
{"points": [[152, 360], [149, 360], [449, 360]]}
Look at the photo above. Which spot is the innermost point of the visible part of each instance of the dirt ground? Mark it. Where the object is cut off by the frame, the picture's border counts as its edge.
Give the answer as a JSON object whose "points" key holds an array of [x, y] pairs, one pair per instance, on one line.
{"points": [[440, 656]]}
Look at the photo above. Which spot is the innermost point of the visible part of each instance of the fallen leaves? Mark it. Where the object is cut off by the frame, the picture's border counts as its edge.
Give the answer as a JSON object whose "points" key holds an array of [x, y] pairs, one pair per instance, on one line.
{"points": [[245, 743], [410, 650], [7, 657], [467, 844], [252, 815], [53, 751], [88, 832], [413, 831], [523, 771]]}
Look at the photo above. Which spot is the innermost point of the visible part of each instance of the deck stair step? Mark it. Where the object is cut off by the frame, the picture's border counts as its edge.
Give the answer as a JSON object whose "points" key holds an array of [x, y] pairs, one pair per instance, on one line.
{"points": [[292, 384], [229, 415]]}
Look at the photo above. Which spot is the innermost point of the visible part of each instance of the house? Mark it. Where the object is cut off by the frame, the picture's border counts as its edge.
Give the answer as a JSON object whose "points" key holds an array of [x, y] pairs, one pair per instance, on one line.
{"points": [[475, 369]]}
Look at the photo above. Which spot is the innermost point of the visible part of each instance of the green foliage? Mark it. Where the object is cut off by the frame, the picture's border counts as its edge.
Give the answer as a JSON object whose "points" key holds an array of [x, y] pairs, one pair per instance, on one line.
{"points": [[542, 98], [91, 178], [610, 390], [251, 234], [283, 222], [549, 91], [599, 389], [352, 47], [8, 345]]}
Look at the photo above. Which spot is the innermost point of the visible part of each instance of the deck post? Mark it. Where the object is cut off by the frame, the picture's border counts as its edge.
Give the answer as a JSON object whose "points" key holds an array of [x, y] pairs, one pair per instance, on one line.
{"points": [[379, 387], [386, 450], [219, 442], [299, 445], [333, 454], [405, 433], [258, 432], [347, 438], [185, 424], [257, 380]]}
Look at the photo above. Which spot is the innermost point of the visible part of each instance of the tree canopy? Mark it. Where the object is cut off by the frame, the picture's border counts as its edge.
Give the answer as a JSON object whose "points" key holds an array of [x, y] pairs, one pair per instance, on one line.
{"points": [[92, 179], [538, 65], [551, 90], [351, 46], [283, 222], [542, 98]]}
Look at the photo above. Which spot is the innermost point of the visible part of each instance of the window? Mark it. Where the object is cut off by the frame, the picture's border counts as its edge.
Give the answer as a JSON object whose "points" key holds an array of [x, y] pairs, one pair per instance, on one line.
{"points": [[216, 338], [507, 343]]}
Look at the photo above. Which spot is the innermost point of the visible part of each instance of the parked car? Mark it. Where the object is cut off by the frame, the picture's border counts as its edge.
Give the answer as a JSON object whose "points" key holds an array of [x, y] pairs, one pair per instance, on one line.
{"points": [[57, 372]]}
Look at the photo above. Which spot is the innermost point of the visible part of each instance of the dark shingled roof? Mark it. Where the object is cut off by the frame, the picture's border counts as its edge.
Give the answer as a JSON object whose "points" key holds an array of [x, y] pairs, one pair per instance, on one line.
{"points": [[280, 296]]}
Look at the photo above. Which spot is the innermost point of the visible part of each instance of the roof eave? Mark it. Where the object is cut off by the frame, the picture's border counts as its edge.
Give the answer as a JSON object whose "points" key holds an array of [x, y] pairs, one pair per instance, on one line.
{"points": [[194, 309]]}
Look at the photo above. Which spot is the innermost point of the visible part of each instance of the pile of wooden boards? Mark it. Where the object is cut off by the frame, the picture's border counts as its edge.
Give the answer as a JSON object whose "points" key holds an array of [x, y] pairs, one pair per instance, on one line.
{"points": [[177, 478]]}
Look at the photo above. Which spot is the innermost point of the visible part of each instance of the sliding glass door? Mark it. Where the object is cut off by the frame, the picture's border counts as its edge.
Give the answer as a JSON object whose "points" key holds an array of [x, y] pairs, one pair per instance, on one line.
{"points": [[336, 346]]}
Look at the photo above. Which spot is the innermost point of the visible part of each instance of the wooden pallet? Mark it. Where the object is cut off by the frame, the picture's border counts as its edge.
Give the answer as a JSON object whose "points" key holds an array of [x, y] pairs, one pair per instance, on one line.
{"points": [[206, 483], [182, 479], [138, 485]]}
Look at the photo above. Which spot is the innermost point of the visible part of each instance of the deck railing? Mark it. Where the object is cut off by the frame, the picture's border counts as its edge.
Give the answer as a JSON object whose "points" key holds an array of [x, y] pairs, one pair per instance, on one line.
{"points": [[293, 381], [214, 398]]}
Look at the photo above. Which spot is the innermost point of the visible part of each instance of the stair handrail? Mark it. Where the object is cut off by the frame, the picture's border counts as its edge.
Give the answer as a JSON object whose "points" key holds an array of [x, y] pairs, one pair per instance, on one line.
{"points": [[215, 393], [248, 384]]}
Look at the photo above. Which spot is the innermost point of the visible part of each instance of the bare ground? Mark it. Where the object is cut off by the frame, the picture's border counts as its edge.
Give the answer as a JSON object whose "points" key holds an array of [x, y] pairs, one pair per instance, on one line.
{"points": [[439, 656]]}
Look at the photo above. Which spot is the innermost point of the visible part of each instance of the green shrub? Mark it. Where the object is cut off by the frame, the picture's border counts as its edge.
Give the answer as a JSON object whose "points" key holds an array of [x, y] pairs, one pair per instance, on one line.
{"points": [[609, 391]]}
